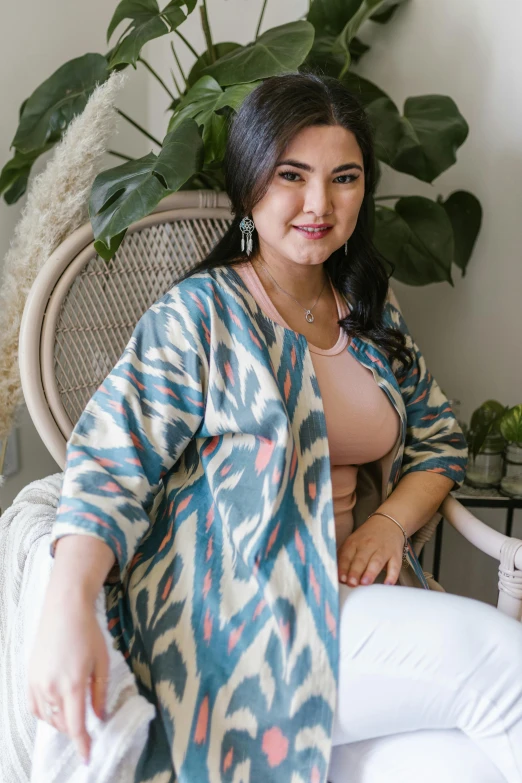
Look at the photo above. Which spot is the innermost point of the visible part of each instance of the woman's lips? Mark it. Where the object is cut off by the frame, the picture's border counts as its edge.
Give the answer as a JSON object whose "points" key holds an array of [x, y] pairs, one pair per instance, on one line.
{"points": [[313, 233]]}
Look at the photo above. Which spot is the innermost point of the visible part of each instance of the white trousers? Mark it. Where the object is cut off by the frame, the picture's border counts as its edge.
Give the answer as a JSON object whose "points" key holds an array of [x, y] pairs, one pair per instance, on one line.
{"points": [[430, 689]]}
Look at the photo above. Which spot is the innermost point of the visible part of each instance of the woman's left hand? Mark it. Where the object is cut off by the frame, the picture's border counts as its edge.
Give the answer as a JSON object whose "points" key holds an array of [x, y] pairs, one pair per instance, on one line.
{"points": [[377, 544]]}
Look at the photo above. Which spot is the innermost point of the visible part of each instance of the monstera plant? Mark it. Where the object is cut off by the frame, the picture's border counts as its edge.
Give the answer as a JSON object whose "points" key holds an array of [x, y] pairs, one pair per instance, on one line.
{"points": [[421, 237]]}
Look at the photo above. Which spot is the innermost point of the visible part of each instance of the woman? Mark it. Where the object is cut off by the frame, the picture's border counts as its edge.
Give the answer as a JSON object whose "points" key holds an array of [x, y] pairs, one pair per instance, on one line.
{"points": [[270, 431]]}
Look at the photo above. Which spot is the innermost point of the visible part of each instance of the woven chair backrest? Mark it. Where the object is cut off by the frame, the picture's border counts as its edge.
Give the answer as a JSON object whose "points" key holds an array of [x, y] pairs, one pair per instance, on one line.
{"points": [[82, 310]]}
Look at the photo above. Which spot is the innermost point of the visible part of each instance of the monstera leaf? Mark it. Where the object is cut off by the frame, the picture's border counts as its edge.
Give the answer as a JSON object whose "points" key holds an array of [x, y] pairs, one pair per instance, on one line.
{"points": [[204, 60], [417, 238], [201, 103], [375, 10], [279, 50], [386, 11], [422, 142], [122, 195], [146, 23], [344, 19], [48, 111], [15, 174], [465, 214], [330, 17]]}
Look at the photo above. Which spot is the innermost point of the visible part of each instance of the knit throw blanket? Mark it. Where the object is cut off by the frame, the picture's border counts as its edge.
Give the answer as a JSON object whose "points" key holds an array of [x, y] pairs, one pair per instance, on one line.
{"points": [[31, 750]]}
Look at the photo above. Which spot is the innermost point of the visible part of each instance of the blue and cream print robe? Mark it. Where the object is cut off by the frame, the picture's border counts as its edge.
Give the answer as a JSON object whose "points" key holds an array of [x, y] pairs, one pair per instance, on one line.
{"points": [[202, 461]]}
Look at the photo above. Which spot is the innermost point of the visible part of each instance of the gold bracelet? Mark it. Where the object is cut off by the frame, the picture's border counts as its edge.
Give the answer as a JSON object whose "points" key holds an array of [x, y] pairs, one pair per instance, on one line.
{"points": [[406, 545]]}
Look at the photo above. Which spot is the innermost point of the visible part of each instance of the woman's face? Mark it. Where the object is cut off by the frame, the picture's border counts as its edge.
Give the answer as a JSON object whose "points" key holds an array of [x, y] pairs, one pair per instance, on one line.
{"points": [[318, 181]]}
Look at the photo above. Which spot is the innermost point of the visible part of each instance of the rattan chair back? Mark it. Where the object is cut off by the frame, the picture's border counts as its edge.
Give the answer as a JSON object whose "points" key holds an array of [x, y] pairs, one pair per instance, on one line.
{"points": [[81, 310]]}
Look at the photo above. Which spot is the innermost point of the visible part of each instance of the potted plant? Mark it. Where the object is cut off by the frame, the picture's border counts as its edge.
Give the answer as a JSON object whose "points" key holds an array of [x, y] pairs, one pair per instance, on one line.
{"points": [[486, 446], [510, 426], [495, 441], [422, 238]]}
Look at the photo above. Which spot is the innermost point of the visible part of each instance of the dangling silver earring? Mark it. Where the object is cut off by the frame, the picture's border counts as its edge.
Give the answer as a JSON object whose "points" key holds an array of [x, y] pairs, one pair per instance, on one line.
{"points": [[247, 229], [346, 248]]}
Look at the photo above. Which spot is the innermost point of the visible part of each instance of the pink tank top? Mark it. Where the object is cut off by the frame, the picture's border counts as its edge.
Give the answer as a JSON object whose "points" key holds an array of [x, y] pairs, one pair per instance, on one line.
{"points": [[361, 423]]}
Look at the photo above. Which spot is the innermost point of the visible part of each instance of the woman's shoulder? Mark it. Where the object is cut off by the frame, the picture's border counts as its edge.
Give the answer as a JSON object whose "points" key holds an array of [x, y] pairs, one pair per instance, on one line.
{"points": [[200, 293]]}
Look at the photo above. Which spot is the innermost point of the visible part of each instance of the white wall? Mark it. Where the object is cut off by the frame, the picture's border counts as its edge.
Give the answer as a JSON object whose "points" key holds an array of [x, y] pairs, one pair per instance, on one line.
{"points": [[469, 50]]}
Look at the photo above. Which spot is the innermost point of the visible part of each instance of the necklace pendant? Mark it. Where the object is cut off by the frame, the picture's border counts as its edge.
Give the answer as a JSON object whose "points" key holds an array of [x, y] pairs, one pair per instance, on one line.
{"points": [[309, 317]]}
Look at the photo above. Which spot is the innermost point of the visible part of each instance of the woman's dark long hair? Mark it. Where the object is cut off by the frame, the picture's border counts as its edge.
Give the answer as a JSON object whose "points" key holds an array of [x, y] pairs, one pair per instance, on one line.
{"points": [[266, 122]]}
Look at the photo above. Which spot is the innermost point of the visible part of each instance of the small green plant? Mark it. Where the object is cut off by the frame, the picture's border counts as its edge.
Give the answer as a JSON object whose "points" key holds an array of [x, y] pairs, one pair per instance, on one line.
{"points": [[422, 238], [494, 418]]}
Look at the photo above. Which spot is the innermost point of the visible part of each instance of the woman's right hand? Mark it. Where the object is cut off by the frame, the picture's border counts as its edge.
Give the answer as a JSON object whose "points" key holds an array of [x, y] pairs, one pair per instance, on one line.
{"points": [[70, 660]]}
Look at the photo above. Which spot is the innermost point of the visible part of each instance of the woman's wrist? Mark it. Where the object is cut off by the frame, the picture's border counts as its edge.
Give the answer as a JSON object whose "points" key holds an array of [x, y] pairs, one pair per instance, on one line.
{"points": [[398, 526], [82, 563]]}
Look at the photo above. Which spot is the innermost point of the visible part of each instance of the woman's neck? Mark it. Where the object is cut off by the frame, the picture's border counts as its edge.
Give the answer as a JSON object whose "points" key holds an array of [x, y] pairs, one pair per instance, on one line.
{"points": [[302, 281]]}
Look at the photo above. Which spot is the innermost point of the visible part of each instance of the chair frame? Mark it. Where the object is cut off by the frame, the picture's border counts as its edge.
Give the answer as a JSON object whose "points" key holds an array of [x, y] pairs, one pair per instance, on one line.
{"points": [[42, 310], [36, 357]]}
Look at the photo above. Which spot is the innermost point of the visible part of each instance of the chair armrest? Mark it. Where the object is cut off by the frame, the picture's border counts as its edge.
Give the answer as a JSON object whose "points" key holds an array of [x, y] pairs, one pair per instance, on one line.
{"points": [[502, 548], [476, 532]]}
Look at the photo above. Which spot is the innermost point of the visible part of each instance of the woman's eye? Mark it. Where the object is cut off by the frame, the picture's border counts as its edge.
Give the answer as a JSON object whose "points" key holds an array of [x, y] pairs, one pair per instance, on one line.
{"points": [[346, 178], [293, 176]]}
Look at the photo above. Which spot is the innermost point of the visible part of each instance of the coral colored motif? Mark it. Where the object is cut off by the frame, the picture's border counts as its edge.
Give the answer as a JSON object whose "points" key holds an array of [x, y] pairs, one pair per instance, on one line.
{"points": [[166, 589], [288, 385], [315, 775], [207, 626], [205, 485], [207, 583], [227, 761], [275, 745], [272, 539], [315, 585], [299, 545], [235, 636], [200, 735], [264, 454]]}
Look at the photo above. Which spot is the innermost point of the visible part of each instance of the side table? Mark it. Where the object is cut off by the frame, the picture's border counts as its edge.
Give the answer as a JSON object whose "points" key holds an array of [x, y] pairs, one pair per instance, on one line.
{"points": [[476, 498]]}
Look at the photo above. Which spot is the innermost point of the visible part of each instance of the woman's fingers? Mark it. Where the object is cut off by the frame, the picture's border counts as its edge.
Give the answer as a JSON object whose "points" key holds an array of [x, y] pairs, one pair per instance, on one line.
{"points": [[99, 684], [393, 570], [365, 569], [74, 702], [345, 557]]}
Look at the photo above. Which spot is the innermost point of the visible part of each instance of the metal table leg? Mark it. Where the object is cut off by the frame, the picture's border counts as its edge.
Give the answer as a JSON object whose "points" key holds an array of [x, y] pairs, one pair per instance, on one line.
{"points": [[509, 521], [438, 550]]}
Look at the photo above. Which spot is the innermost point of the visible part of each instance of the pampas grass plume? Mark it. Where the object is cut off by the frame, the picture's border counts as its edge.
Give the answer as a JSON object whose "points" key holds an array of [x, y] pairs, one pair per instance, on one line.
{"points": [[57, 204]]}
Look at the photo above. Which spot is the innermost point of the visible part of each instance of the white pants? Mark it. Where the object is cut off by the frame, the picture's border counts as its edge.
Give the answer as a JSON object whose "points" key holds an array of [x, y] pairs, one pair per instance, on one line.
{"points": [[430, 689]]}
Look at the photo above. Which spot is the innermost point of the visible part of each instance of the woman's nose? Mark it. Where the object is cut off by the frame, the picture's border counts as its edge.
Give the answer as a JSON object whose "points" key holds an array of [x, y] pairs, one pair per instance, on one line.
{"points": [[318, 200]]}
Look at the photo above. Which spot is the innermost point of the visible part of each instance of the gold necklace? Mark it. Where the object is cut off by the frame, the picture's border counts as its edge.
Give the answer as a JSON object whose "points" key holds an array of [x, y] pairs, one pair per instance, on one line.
{"points": [[308, 311]]}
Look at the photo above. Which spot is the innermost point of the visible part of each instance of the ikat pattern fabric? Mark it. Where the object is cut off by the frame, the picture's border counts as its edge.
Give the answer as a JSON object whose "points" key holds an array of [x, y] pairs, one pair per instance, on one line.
{"points": [[202, 461]]}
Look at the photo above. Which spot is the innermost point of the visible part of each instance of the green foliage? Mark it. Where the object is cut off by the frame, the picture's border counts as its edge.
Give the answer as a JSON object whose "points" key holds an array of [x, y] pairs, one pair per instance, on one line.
{"points": [[417, 238], [485, 421], [203, 102], [280, 50], [131, 191], [45, 115], [146, 23], [421, 237], [511, 425]]}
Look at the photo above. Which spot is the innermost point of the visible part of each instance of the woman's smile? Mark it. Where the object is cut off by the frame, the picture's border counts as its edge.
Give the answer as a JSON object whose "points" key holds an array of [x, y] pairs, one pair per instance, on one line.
{"points": [[313, 232]]}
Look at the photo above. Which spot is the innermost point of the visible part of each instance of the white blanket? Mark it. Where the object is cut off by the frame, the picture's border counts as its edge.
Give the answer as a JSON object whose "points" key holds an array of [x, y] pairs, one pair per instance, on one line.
{"points": [[31, 750]]}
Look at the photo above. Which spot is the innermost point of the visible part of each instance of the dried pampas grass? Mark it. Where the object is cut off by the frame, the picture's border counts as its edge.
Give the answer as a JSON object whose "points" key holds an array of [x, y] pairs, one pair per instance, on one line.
{"points": [[57, 204]]}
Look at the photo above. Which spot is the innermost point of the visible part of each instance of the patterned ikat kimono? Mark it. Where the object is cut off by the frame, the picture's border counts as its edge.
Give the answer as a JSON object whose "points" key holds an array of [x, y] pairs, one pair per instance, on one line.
{"points": [[202, 461]]}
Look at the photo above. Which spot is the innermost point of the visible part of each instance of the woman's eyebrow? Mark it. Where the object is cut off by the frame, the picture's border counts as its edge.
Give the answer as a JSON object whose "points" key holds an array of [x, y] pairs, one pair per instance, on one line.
{"points": [[298, 165]]}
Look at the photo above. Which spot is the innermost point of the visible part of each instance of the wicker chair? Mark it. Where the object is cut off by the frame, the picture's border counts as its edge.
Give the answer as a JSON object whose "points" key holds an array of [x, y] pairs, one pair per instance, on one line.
{"points": [[81, 312]]}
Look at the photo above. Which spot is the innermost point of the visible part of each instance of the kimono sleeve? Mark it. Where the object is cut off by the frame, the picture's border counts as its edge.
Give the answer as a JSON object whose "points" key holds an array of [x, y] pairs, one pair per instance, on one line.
{"points": [[135, 428], [434, 439]]}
